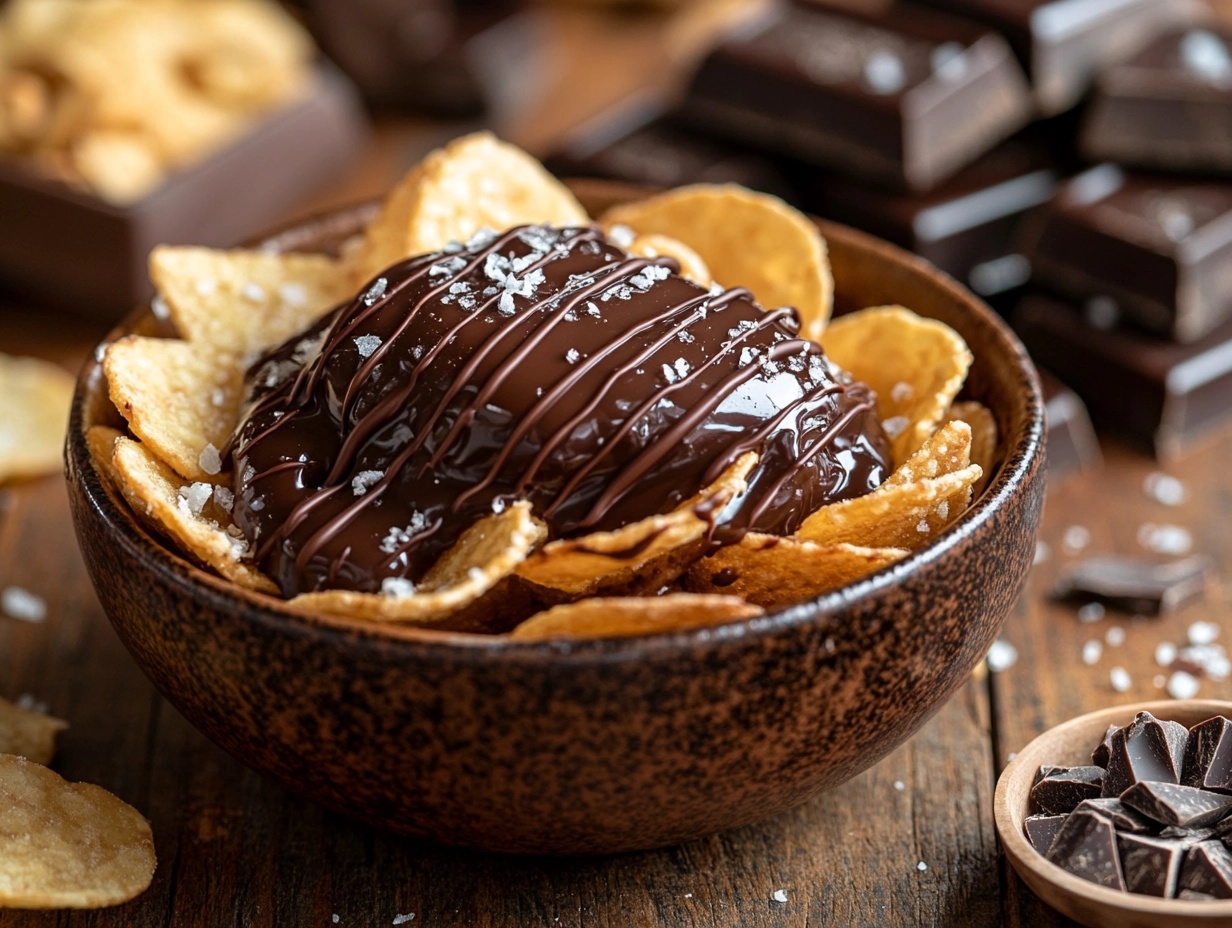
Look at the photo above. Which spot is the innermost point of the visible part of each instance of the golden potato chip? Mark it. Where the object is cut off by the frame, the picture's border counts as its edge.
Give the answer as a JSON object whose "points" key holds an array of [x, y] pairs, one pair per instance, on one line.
{"points": [[947, 450], [37, 395], [475, 182], [915, 365], [983, 438], [245, 302], [771, 571], [642, 556], [486, 552], [180, 399], [655, 246], [196, 515], [101, 439], [619, 617], [28, 734], [746, 239], [67, 845]]}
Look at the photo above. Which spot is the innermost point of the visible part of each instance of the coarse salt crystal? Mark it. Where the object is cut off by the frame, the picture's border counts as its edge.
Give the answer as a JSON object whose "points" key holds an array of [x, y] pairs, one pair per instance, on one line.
{"points": [[922, 526], [475, 574], [1203, 632], [895, 425], [921, 866], [293, 294], [1115, 636], [1091, 612], [621, 236], [901, 392], [573, 356], [159, 307], [209, 459], [253, 292], [1001, 656], [403, 919], [367, 344], [1182, 685], [900, 785], [779, 896], [1076, 538], [1164, 488], [364, 480], [196, 495], [1165, 539], [20, 603], [1092, 651], [397, 587], [1120, 680], [1165, 653]]}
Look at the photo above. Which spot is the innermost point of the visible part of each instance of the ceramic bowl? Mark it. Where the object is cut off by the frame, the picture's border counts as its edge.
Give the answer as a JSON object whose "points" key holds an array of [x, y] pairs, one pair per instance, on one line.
{"points": [[1069, 744], [585, 746]]}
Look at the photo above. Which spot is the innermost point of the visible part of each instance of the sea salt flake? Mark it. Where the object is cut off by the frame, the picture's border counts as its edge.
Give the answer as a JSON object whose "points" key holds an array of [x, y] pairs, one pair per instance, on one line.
{"points": [[900, 785], [621, 236], [779, 896], [159, 307], [397, 536], [403, 919], [669, 373], [1165, 653], [1115, 636], [1076, 538], [1092, 651], [1164, 488], [573, 356], [922, 526], [337, 919], [364, 480], [1165, 539], [901, 392], [921, 866], [1120, 680], [1203, 633], [1001, 656], [397, 587], [206, 286], [19, 603], [367, 344], [293, 294], [1091, 612], [196, 495], [498, 505], [1182, 685], [30, 704], [253, 292], [686, 336], [592, 308], [895, 425], [209, 459]]}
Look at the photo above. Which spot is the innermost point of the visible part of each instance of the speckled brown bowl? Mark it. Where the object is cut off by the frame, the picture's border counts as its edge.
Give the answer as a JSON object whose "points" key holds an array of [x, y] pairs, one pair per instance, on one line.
{"points": [[585, 746]]}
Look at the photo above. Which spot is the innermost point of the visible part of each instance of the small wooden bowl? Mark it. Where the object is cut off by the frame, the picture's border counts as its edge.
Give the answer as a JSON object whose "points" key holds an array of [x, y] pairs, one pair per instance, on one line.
{"points": [[1071, 743]]}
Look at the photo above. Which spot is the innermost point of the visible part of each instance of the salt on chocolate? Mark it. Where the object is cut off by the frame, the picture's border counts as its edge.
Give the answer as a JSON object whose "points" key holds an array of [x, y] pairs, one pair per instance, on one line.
{"points": [[1146, 749], [1061, 789], [1086, 846], [1208, 755], [1208, 869], [1174, 804]]}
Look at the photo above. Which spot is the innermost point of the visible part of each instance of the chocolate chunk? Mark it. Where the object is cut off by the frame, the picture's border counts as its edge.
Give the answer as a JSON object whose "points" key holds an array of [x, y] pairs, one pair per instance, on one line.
{"points": [[1208, 869], [1166, 397], [893, 93], [1173, 804], [1086, 846], [1145, 749], [1135, 585], [967, 226], [1041, 830], [1072, 445], [1062, 788], [1192, 895], [1151, 866], [1208, 756], [1168, 106], [1103, 751], [1063, 43], [1152, 250], [1124, 819], [1186, 835]]}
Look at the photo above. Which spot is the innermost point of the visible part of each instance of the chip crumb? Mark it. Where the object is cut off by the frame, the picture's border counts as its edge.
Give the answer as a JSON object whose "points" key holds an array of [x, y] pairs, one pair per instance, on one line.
{"points": [[1092, 651], [1164, 488], [1076, 538], [1001, 656], [1182, 685], [1120, 680], [779, 896], [20, 603]]}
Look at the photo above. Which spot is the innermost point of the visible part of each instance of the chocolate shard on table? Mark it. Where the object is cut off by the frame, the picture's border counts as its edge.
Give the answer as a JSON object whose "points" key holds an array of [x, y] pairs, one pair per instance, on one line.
{"points": [[1135, 585], [1042, 829], [1168, 106], [1152, 250], [1125, 819], [1207, 869], [1061, 789], [1086, 846], [1208, 755], [967, 226], [1164, 396], [892, 93], [1063, 43], [1173, 804], [1152, 866], [1145, 749], [1072, 445]]}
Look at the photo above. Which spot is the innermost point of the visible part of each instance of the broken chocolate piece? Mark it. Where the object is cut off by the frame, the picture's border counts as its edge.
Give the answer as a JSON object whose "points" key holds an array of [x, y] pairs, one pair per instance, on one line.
{"points": [[1135, 585], [1086, 846], [1192, 895], [1103, 751], [1208, 869], [1062, 788], [1124, 818], [1208, 755], [1042, 830], [1072, 445], [1173, 804], [1151, 866], [1145, 749]]}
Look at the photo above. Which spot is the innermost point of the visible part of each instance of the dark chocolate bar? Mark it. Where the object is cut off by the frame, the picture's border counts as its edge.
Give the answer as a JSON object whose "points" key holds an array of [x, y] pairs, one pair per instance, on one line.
{"points": [[894, 94], [1135, 585], [967, 226], [1072, 445], [1168, 106], [1063, 43], [1163, 395], [1153, 250]]}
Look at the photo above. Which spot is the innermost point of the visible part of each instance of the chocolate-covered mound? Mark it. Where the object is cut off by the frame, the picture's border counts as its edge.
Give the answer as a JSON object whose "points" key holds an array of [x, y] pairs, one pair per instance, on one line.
{"points": [[537, 364]]}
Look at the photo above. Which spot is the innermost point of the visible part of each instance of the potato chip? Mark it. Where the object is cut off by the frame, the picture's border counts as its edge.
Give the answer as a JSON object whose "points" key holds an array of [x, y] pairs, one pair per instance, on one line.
{"points": [[983, 437], [475, 182], [655, 246], [915, 365], [771, 571], [486, 552], [28, 734], [746, 239], [37, 396], [67, 845], [193, 514], [619, 617], [947, 450], [642, 556], [245, 302]]}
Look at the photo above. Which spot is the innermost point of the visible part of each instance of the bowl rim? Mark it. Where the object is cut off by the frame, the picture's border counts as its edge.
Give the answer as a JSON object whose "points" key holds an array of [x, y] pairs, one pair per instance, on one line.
{"points": [[1023, 456], [1032, 866]]}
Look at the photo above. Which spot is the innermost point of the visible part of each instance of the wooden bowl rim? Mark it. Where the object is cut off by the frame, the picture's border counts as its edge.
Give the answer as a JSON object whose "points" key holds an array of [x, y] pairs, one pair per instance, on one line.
{"points": [[1036, 870], [1023, 460]]}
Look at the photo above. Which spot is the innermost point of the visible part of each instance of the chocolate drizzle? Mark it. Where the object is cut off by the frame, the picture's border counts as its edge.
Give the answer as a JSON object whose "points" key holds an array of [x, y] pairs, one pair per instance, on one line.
{"points": [[538, 364]]}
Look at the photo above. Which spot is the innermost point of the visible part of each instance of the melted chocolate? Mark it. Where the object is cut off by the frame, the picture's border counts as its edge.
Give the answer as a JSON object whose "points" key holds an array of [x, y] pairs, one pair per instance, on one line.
{"points": [[544, 365]]}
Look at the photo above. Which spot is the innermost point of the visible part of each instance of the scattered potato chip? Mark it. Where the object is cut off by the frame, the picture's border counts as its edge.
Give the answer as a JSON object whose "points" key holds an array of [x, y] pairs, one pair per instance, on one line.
{"points": [[915, 365], [771, 571], [983, 437], [37, 395], [691, 264], [67, 845], [662, 547], [475, 182], [245, 302], [746, 239], [619, 617], [28, 734], [486, 552], [191, 513]]}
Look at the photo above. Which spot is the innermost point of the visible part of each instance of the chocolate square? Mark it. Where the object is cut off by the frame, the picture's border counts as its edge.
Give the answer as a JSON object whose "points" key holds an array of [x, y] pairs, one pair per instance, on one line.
{"points": [[1151, 866], [1208, 869], [1173, 804], [1145, 749], [1086, 846], [1062, 788], [1208, 756]]}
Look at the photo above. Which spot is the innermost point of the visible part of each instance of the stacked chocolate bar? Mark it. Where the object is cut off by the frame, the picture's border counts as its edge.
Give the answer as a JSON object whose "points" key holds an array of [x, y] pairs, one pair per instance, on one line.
{"points": [[977, 133]]}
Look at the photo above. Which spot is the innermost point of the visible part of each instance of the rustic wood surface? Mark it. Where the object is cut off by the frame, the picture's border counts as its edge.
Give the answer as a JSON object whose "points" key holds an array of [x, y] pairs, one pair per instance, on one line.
{"points": [[909, 842]]}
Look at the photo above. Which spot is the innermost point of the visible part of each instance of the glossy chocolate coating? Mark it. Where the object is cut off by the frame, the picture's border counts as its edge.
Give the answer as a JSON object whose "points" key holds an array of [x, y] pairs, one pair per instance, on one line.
{"points": [[891, 93], [537, 364]]}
